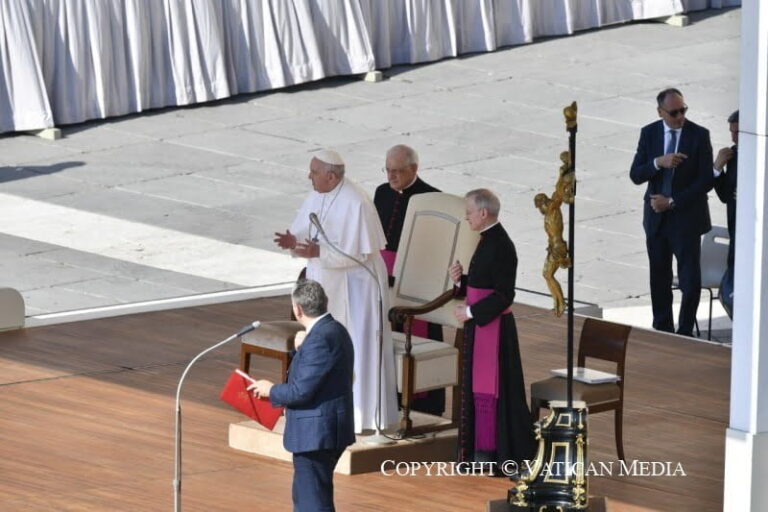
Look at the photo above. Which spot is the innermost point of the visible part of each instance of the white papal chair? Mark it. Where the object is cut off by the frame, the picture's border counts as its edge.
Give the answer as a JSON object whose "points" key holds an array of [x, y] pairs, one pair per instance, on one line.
{"points": [[434, 235], [714, 262]]}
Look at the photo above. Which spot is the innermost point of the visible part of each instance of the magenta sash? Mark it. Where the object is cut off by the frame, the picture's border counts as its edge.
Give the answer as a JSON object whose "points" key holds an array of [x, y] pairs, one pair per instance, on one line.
{"points": [[485, 374], [389, 260]]}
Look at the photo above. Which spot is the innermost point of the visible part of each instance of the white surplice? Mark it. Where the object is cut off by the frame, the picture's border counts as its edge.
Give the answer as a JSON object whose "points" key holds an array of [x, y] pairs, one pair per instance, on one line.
{"points": [[350, 221]]}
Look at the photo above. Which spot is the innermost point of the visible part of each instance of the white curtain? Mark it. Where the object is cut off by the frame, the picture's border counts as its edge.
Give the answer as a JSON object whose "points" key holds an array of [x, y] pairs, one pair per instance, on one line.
{"points": [[67, 61], [24, 103], [555, 17], [698, 5]]}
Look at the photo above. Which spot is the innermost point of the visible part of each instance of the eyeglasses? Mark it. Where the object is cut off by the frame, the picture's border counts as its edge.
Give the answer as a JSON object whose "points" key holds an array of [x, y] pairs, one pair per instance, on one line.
{"points": [[393, 171], [676, 112]]}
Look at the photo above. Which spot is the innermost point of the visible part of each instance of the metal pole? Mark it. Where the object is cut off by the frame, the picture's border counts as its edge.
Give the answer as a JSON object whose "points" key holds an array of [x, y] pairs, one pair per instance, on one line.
{"points": [[379, 437], [177, 444], [571, 254]]}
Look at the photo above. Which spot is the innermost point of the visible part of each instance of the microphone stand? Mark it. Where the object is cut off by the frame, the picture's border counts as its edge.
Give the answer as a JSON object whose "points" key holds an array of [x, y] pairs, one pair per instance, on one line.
{"points": [[177, 474], [378, 438]]}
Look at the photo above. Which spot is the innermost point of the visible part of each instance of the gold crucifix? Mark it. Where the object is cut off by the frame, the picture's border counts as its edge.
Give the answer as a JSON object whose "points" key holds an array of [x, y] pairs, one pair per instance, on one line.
{"points": [[557, 248]]}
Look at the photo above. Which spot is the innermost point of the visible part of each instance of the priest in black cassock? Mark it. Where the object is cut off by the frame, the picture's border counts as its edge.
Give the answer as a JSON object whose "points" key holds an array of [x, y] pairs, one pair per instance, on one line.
{"points": [[495, 423], [391, 200]]}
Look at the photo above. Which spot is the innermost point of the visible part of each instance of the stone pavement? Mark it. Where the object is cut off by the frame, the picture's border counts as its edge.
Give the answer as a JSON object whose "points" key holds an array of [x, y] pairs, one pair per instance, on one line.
{"points": [[184, 201]]}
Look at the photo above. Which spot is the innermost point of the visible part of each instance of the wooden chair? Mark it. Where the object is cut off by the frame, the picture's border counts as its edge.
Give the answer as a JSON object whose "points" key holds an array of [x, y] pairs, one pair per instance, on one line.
{"points": [[600, 340], [273, 340], [434, 236]]}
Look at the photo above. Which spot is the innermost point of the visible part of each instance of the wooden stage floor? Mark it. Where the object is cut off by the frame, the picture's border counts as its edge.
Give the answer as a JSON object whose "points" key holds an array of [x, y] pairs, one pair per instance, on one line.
{"points": [[87, 418]]}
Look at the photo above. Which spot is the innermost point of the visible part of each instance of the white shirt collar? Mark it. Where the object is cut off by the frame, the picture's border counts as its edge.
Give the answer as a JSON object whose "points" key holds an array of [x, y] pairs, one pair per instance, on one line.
{"points": [[489, 227], [415, 177], [314, 321], [668, 129]]}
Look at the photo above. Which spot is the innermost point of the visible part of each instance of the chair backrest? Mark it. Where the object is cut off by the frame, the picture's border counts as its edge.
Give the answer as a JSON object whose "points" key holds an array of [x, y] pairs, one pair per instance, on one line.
{"points": [[434, 236], [714, 256], [604, 340]]}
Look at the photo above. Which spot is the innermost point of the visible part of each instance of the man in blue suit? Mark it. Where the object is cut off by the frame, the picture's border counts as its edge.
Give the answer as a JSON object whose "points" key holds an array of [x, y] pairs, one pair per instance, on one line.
{"points": [[726, 164], [674, 157], [319, 422]]}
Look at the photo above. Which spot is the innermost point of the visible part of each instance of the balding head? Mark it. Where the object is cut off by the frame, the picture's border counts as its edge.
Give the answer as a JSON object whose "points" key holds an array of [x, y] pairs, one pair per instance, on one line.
{"points": [[671, 107]]}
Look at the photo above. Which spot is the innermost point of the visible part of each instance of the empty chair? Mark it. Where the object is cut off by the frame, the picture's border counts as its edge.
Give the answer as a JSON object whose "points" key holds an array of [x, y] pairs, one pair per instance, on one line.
{"points": [[600, 339], [274, 340], [714, 261], [434, 236]]}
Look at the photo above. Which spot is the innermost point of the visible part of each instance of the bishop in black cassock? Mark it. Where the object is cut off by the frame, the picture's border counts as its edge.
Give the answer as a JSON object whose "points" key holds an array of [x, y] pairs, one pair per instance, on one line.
{"points": [[392, 204], [495, 423], [391, 200]]}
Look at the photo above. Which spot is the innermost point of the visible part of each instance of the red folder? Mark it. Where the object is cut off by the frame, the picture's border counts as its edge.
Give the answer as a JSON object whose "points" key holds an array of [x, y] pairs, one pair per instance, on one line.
{"points": [[236, 394]]}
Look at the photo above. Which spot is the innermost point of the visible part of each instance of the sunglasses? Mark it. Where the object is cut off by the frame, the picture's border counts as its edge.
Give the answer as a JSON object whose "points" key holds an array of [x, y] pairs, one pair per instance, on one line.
{"points": [[676, 112]]}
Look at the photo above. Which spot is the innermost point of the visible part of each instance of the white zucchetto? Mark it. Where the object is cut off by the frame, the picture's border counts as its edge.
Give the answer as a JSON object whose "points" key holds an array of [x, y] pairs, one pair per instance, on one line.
{"points": [[328, 156]]}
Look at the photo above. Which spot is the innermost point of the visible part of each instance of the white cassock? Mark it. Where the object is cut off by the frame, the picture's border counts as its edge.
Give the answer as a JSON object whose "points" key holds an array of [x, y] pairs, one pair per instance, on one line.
{"points": [[350, 221]]}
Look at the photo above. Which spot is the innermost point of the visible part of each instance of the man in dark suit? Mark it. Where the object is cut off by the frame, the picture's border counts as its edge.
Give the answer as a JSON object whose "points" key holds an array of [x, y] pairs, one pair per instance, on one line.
{"points": [[725, 186], [319, 422], [674, 157]]}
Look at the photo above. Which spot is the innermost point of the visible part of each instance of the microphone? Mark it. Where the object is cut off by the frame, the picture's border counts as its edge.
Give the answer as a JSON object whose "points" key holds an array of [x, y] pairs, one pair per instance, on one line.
{"points": [[177, 476], [248, 328], [316, 222], [378, 437]]}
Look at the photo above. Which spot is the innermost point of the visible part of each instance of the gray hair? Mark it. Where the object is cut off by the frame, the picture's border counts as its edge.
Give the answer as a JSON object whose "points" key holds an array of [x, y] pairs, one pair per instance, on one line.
{"points": [[411, 156], [311, 297], [734, 118], [484, 198]]}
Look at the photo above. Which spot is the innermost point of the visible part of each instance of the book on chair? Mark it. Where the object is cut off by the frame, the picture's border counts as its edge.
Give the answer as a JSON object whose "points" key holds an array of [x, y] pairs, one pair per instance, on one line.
{"points": [[587, 375], [236, 394]]}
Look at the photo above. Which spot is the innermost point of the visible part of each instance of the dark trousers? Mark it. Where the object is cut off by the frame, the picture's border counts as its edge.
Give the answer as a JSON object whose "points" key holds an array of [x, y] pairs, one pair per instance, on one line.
{"points": [[313, 480], [686, 247]]}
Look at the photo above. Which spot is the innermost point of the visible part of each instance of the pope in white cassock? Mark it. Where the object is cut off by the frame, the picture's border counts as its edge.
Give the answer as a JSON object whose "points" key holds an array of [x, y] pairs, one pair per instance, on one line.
{"points": [[350, 221]]}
